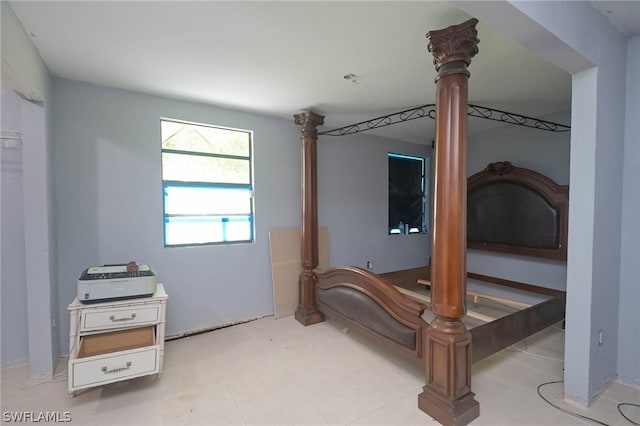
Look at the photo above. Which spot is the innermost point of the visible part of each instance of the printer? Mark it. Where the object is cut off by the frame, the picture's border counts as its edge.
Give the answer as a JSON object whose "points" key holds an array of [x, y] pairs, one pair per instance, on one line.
{"points": [[114, 282]]}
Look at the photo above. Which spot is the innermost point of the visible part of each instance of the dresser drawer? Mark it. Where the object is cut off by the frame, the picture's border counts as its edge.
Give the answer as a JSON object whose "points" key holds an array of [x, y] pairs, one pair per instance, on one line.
{"points": [[133, 316], [112, 367]]}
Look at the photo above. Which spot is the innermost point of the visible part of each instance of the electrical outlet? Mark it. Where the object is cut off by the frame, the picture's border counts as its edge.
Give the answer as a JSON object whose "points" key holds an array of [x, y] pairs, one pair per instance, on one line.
{"points": [[600, 336]]}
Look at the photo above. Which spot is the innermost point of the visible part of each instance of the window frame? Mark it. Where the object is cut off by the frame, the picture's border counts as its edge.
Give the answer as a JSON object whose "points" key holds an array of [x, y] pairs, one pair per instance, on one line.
{"points": [[424, 214], [172, 183]]}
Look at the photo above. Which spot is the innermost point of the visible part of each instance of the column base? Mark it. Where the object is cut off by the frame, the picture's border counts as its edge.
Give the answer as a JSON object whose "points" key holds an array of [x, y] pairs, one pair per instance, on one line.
{"points": [[447, 395], [306, 317], [458, 412]]}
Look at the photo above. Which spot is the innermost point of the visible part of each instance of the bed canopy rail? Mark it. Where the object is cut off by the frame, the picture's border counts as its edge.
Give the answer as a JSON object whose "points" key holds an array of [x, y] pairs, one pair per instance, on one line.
{"points": [[429, 110]]}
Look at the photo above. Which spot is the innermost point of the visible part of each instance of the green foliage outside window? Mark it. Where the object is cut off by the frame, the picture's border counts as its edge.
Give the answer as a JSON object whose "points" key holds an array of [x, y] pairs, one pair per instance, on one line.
{"points": [[208, 184]]}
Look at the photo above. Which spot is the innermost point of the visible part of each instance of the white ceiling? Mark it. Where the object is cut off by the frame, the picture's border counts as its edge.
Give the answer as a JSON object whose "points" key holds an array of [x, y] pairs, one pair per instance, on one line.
{"points": [[279, 58], [624, 15]]}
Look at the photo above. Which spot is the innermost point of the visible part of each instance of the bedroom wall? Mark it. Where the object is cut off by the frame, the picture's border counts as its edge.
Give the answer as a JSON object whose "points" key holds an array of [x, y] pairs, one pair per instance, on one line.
{"points": [[109, 188], [15, 344], [108, 184], [353, 188], [544, 152], [24, 71], [629, 315]]}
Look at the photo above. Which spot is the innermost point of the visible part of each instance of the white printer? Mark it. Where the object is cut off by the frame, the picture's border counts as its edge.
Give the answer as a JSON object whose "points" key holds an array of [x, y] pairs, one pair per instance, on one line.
{"points": [[112, 282]]}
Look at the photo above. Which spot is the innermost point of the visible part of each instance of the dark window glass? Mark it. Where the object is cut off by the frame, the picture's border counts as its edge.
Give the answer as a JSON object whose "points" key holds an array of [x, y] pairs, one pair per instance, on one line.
{"points": [[407, 195]]}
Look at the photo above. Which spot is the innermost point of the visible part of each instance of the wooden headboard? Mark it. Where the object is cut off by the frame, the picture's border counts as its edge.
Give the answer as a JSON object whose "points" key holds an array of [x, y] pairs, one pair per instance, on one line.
{"points": [[516, 210]]}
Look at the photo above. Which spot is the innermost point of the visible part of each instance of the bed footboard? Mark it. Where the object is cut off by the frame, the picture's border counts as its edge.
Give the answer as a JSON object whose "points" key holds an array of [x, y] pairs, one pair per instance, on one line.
{"points": [[373, 306]]}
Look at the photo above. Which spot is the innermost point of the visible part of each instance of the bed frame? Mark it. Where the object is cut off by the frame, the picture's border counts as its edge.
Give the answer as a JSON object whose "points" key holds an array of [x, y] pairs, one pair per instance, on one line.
{"points": [[518, 211], [386, 312], [380, 306], [373, 305]]}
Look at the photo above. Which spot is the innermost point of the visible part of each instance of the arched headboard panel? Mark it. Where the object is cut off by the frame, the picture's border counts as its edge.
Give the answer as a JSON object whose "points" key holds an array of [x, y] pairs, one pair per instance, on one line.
{"points": [[516, 210]]}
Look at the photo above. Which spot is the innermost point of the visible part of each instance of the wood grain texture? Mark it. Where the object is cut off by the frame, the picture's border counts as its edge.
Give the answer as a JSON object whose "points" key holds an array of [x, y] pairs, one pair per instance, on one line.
{"points": [[447, 395], [307, 312]]}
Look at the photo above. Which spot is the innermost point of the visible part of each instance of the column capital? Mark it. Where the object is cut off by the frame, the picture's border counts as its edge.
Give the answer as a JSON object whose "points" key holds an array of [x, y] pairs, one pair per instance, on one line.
{"points": [[309, 121], [457, 43]]}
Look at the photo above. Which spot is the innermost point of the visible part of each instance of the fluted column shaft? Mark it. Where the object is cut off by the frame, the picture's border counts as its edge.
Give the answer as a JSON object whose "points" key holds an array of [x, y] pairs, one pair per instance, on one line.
{"points": [[448, 268], [447, 395], [307, 312]]}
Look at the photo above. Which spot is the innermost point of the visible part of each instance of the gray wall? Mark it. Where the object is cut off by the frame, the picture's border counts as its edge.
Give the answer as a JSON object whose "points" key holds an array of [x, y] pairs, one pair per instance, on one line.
{"points": [[15, 348], [109, 189], [353, 188], [544, 152], [629, 315], [26, 73], [109, 203]]}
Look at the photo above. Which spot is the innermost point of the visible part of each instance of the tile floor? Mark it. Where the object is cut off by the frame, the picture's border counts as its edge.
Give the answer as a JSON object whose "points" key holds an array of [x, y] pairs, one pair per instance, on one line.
{"points": [[277, 372]]}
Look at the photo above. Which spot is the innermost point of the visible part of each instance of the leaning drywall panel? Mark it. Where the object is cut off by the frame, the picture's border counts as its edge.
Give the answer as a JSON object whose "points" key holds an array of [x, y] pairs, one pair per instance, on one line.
{"points": [[286, 266]]}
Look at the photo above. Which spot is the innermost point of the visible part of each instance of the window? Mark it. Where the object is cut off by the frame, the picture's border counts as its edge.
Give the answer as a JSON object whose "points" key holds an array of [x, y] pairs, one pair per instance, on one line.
{"points": [[407, 195], [207, 183]]}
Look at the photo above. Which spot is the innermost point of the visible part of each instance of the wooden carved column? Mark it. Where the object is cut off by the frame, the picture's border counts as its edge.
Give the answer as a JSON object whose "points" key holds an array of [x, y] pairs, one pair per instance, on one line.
{"points": [[307, 312], [447, 395]]}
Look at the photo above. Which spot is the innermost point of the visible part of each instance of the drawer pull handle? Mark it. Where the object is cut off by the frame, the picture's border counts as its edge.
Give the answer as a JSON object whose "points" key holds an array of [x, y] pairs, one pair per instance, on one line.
{"points": [[117, 369], [114, 319]]}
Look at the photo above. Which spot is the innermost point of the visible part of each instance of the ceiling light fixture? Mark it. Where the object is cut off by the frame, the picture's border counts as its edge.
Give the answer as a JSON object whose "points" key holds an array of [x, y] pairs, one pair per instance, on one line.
{"points": [[354, 80]]}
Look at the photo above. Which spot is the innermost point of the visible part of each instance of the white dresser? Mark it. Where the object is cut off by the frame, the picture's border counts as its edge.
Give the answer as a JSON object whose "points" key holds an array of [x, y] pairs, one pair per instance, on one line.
{"points": [[116, 340]]}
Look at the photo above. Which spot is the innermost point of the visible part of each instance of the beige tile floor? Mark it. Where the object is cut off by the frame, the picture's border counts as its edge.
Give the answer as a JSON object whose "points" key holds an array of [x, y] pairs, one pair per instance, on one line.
{"points": [[277, 372]]}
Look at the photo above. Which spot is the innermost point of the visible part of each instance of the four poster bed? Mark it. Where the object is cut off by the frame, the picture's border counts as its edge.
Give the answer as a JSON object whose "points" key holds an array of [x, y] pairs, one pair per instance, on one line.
{"points": [[536, 220], [392, 315]]}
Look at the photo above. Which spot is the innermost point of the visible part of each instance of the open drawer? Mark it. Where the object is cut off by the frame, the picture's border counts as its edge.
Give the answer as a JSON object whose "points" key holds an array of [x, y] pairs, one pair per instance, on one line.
{"points": [[114, 356]]}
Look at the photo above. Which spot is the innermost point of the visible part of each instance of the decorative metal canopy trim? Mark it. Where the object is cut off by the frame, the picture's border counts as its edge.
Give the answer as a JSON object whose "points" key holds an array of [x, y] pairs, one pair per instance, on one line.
{"points": [[429, 110], [517, 119]]}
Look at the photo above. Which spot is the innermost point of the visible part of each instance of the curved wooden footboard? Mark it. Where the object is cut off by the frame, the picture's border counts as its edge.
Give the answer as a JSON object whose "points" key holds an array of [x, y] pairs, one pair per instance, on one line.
{"points": [[372, 305]]}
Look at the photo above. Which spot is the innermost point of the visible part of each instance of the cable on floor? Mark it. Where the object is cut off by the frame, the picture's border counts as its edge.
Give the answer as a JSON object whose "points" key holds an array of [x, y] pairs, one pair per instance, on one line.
{"points": [[571, 413], [628, 404]]}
